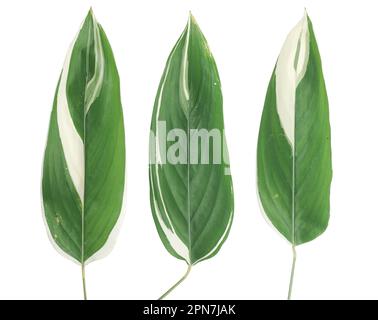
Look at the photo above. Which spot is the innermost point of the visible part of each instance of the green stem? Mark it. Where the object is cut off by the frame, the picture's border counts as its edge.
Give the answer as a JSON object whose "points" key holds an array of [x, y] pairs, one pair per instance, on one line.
{"points": [[83, 278], [177, 283], [292, 273]]}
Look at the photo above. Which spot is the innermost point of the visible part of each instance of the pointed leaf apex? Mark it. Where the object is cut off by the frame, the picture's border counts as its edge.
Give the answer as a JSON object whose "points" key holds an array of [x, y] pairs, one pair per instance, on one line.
{"points": [[191, 19], [305, 14], [91, 14]]}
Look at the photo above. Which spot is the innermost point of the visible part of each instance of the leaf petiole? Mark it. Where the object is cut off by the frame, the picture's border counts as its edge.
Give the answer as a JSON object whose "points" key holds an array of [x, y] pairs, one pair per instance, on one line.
{"points": [[292, 273], [178, 283], [83, 278]]}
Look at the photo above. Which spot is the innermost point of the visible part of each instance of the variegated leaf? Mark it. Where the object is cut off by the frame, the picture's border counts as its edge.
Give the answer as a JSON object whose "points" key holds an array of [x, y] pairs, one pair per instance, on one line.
{"points": [[294, 149], [190, 184], [84, 164]]}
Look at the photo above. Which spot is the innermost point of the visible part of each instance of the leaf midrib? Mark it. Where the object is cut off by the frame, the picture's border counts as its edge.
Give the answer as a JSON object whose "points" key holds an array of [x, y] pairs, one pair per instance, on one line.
{"points": [[87, 81]]}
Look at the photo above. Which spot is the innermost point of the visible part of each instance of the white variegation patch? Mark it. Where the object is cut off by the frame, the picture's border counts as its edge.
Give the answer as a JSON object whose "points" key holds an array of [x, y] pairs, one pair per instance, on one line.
{"points": [[290, 69], [93, 88], [185, 62], [73, 146]]}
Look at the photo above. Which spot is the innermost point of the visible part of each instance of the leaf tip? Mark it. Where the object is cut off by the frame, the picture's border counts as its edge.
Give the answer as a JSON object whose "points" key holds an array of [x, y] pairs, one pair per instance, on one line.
{"points": [[191, 18], [91, 14], [305, 14]]}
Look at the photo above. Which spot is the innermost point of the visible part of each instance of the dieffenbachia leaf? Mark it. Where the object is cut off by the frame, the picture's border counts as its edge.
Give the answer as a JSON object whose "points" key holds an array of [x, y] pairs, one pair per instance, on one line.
{"points": [[84, 164], [190, 184], [294, 169]]}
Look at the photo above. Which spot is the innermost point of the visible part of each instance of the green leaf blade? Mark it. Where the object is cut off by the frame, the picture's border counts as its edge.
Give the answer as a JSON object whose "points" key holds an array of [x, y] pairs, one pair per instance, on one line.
{"points": [[294, 167], [192, 203], [84, 165]]}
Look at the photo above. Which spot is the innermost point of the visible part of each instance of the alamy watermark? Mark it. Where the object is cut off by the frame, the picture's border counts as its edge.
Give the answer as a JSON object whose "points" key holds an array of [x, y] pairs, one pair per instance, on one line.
{"points": [[195, 146]]}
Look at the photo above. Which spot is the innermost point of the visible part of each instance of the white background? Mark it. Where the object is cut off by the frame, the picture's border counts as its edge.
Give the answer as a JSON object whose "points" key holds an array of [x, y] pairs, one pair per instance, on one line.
{"points": [[245, 38]]}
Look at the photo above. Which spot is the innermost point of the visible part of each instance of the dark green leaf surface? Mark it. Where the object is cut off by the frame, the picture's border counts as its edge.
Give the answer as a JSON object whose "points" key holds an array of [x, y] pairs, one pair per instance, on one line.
{"points": [[294, 177], [192, 204], [84, 164]]}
